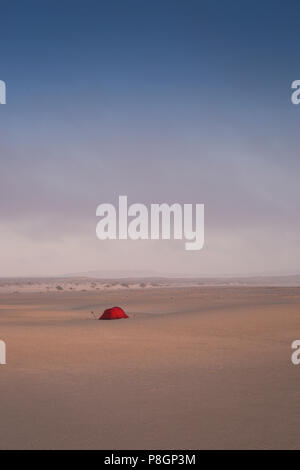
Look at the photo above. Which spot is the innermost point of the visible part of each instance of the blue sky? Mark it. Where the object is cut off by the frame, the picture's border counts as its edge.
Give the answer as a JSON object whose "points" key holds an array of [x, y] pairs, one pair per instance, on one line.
{"points": [[165, 101]]}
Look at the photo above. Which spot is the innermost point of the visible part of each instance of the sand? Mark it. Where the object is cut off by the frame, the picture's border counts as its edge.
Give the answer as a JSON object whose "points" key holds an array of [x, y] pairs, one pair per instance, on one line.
{"points": [[193, 368]]}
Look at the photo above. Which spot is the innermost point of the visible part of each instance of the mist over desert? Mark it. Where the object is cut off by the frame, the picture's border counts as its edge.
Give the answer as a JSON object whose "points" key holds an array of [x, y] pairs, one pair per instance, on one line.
{"points": [[149, 175], [194, 367]]}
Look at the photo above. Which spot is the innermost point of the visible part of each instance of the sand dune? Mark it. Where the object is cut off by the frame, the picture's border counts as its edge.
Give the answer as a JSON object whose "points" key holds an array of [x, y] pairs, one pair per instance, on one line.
{"points": [[193, 368], [92, 284]]}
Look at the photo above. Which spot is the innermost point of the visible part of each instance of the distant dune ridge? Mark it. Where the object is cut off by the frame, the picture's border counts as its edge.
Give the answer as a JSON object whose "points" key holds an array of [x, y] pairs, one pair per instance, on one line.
{"points": [[93, 283]]}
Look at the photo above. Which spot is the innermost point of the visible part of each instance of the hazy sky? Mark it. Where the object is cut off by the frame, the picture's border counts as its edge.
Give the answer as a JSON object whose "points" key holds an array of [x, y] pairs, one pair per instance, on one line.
{"points": [[163, 101]]}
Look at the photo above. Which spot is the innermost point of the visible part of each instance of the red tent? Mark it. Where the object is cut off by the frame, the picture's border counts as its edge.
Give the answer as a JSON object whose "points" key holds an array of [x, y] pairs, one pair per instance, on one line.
{"points": [[114, 313]]}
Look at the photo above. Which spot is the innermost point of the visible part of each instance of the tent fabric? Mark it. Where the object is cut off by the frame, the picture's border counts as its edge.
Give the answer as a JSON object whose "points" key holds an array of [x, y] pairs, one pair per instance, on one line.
{"points": [[114, 313]]}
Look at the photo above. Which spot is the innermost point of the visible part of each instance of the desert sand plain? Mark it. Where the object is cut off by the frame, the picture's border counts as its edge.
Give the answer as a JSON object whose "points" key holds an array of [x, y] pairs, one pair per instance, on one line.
{"points": [[195, 367]]}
